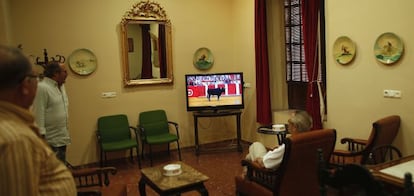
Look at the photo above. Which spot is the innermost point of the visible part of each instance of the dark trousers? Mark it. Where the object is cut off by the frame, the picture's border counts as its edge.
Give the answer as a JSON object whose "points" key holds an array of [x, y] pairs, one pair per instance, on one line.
{"points": [[60, 153]]}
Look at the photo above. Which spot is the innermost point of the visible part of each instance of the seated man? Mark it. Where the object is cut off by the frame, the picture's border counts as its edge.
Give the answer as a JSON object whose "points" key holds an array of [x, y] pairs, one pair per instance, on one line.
{"points": [[300, 122]]}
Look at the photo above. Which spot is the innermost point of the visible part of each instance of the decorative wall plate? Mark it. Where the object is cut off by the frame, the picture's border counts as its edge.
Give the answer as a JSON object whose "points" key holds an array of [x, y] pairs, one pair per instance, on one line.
{"points": [[82, 61], [344, 50], [203, 59], [388, 48]]}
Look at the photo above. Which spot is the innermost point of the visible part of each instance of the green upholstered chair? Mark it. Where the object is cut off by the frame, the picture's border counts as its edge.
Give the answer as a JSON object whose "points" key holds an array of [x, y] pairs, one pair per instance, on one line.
{"points": [[114, 134], [155, 130]]}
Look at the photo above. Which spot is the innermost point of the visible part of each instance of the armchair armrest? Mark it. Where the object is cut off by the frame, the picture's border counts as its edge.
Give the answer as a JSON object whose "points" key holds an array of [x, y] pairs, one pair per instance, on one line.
{"points": [[354, 144], [137, 134], [98, 136], [141, 131], [135, 130], [173, 123], [341, 157], [176, 127], [263, 176], [354, 154]]}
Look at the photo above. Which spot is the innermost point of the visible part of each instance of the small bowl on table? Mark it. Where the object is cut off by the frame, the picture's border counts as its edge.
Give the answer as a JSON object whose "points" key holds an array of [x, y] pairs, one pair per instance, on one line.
{"points": [[172, 170]]}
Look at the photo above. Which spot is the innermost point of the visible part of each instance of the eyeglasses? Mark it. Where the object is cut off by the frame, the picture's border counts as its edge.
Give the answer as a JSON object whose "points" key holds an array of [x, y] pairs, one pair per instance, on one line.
{"points": [[38, 77]]}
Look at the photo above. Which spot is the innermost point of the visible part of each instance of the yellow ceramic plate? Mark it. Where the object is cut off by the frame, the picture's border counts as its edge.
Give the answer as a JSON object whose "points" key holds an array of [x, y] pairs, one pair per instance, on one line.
{"points": [[82, 61], [344, 50], [388, 48]]}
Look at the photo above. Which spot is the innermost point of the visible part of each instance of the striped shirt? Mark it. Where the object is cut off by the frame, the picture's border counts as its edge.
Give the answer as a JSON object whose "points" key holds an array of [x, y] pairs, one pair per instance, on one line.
{"points": [[27, 164]]}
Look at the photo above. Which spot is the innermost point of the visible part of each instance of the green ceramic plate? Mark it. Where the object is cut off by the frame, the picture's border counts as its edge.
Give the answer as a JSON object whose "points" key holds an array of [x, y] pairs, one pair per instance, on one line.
{"points": [[203, 59], [388, 48]]}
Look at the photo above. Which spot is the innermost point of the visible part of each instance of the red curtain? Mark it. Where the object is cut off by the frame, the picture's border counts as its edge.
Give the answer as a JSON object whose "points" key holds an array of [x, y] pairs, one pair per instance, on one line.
{"points": [[264, 115], [310, 11], [162, 45], [146, 72]]}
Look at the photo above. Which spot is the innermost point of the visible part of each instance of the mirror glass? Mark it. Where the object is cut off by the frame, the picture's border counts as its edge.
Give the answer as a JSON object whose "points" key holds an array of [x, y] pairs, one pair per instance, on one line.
{"points": [[146, 45]]}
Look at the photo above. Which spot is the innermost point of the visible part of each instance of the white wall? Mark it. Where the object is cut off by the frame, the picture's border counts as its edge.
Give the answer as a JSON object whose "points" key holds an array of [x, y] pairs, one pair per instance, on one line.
{"points": [[355, 91], [225, 27], [4, 22]]}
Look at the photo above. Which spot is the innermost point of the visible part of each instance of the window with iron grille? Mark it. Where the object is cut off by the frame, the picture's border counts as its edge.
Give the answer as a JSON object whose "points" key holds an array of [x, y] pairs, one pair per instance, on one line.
{"points": [[295, 53], [296, 74]]}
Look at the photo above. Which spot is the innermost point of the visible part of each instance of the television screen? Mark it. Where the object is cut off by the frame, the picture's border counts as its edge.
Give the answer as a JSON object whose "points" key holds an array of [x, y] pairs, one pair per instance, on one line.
{"points": [[215, 91]]}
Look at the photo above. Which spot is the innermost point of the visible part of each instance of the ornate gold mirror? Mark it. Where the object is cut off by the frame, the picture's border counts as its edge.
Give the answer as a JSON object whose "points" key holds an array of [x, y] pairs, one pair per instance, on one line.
{"points": [[146, 45]]}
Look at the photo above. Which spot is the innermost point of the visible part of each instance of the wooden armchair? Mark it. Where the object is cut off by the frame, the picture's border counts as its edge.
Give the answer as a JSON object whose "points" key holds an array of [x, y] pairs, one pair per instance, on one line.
{"points": [[353, 179], [382, 154], [408, 185], [350, 179], [383, 133], [89, 181], [297, 174]]}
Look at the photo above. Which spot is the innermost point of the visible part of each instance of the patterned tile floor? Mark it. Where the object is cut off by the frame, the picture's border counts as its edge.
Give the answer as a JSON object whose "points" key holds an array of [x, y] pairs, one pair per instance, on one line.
{"points": [[220, 167]]}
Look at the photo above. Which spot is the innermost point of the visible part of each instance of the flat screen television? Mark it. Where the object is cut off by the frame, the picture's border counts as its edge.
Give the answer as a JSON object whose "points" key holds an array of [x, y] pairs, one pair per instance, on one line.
{"points": [[214, 91]]}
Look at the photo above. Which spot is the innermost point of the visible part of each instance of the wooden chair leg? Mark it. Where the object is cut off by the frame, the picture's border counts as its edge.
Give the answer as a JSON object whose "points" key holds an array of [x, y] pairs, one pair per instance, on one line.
{"points": [[179, 151], [138, 159], [150, 154], [101, 162], [142, 150], [104, 162], [131, 157]]}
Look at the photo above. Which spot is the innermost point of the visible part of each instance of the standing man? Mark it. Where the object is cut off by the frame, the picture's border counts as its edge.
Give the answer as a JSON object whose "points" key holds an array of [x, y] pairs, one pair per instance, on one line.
{"points": [[27, 164], [51, 108]]}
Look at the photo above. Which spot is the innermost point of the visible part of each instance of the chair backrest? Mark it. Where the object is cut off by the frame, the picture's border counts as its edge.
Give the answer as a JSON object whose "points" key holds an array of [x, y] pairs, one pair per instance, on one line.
{"points": [[299, 167], [383, 133], [153, 122], [113, 128]]}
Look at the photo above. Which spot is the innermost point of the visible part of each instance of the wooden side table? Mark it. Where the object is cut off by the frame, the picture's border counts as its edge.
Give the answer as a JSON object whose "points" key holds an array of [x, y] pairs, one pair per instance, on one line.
{"points": [[281, 135], [190, 179], [399, 168]]}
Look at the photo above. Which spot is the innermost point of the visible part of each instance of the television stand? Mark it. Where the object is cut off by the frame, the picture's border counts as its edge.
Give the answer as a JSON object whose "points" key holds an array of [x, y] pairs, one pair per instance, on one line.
{"points": [[212, 114]]}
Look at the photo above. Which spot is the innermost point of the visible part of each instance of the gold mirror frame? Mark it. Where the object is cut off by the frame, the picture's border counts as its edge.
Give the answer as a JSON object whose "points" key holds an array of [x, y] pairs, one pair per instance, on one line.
{"points": [[150, 13]]}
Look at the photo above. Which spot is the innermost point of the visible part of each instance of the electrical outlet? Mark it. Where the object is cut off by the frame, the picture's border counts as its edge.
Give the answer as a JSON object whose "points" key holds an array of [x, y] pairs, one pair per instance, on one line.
{"points": [[392, 93], [108, 94], [397, 94], [387, 93]]}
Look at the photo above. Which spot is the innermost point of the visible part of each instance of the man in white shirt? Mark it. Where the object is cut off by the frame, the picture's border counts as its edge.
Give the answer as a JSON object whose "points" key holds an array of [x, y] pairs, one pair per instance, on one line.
{"points": [[300, 122], [51, 108]]}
